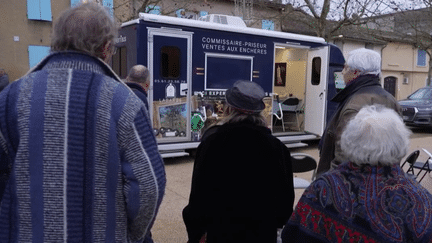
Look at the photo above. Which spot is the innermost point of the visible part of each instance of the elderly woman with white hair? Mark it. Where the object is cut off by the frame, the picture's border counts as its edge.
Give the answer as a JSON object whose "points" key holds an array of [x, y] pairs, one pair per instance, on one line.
{"points": [[363, 87], [369, 198]]}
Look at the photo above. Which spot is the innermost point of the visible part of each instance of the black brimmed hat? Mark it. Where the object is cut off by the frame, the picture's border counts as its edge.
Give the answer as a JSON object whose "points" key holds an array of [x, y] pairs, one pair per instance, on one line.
{"points": [[246, 96]]}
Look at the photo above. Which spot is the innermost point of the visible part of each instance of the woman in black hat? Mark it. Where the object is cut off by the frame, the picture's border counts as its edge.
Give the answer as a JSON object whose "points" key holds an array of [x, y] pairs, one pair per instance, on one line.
{"points": [[242, 184]]}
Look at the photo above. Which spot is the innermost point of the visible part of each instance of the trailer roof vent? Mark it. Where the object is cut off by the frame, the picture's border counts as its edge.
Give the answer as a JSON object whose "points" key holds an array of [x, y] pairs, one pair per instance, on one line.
{"points": [[223, 19]]}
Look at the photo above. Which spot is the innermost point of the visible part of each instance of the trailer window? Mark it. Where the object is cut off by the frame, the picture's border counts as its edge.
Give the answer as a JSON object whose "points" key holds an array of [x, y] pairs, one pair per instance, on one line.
{"points": [[316, 70], [119, 62], [223, 70], [170, 62]]}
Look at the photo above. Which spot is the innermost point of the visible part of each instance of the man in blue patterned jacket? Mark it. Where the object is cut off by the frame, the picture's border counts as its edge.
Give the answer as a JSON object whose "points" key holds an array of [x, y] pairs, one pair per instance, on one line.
{"points": [[76, 146]]}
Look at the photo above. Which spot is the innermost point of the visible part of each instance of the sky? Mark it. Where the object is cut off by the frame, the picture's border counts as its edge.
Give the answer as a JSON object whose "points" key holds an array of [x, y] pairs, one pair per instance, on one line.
{"points": [[374, 6]]}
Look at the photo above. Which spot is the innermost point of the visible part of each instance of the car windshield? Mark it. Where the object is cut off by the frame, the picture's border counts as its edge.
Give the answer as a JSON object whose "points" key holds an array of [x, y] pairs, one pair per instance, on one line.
{"points": [[422, 94]]}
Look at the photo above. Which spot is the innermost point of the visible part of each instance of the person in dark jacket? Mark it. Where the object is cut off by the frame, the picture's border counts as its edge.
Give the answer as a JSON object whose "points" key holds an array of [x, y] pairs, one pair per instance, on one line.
{"points": [[138, 80], [4, 79], [242, 184], [369, 198], [361, 76]]}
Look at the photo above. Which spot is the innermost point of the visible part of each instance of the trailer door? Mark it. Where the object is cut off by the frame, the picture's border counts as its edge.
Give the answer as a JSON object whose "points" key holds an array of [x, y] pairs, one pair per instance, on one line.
{"points": [[169, 58], [316, 90]]}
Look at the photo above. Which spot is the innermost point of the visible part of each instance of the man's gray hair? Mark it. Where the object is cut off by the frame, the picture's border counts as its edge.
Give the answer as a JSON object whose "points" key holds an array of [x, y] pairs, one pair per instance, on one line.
{"points": [[376, 135], [364, 60], [86, 28], [138, 74]]}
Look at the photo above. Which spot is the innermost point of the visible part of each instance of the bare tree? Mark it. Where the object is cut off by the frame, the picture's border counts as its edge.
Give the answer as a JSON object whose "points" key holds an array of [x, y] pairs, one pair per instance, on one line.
{"points": [[324, 18], [129, 9], [409, 23]]}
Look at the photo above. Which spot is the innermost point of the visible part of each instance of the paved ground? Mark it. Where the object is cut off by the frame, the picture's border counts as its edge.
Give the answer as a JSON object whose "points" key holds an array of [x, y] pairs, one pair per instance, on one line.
{"points": [[169, 227]]}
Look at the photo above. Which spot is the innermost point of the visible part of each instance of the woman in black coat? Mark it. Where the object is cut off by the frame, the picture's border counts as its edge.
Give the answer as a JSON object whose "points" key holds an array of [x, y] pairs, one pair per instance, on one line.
{"points": [[242, 184]]}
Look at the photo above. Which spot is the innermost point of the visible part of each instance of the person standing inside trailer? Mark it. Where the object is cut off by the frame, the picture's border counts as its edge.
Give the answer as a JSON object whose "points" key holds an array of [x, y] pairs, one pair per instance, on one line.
{"points": [[76, 144], [361, 77], [242, 184]]}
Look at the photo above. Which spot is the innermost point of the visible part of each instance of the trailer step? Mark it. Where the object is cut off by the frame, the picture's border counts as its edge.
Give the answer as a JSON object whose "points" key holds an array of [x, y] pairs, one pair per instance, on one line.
{"points": [[296, 138], [173, 154], [177, 146], [296, 145]]}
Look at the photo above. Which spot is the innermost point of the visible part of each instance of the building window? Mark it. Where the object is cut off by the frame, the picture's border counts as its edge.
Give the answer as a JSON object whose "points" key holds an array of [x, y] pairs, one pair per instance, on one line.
{"points": [[170, 61], [181, 13], [37, 53], [421, 58], [106, 3], [267, 24], [75, 2], [203, 13], [39, 10], [152, 9], [109, 5]]}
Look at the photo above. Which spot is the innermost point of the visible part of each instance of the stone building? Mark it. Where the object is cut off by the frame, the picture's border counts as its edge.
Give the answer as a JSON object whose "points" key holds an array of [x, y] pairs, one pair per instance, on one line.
{"points": [[25, 32]]}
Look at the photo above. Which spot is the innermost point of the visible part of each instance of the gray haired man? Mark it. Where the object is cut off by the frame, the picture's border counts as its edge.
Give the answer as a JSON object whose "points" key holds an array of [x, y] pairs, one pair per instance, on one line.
{"points": [[363, 87], [138, 80], [77, 145]]}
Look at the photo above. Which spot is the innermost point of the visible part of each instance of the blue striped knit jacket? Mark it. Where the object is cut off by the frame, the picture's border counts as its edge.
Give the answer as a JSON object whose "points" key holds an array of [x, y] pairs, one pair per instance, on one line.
{"points": [[84, 164]]}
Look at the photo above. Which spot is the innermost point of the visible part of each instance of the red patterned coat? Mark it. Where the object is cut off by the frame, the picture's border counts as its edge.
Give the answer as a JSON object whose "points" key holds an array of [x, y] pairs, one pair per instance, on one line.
{"points": [[362, 204]]}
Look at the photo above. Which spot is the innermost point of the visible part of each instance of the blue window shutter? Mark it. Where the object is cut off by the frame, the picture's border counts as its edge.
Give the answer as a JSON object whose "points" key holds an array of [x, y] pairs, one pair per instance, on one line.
{"points": [[179, 12], [39, 10], [152, 9], [267, 24], [74, 2], [109, 4], [421, 58], [37, 53], [33, 9], [45, 8]]}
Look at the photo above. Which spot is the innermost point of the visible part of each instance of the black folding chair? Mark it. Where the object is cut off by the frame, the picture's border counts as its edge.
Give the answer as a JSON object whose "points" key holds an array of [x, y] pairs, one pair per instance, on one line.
{"points": [[293, 103], [302, 162], [411, 159], [422, 166]]}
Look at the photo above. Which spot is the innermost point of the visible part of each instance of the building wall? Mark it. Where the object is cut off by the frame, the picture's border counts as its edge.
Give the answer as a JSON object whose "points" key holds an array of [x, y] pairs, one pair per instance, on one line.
{"points": [[14, 23], [399, 60], [124, 10]]}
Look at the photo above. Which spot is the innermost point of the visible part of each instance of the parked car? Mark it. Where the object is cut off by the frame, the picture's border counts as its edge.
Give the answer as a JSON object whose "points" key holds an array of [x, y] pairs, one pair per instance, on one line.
{"points": [[417, 108]]}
